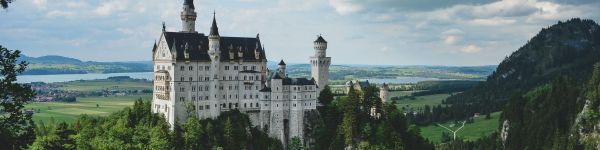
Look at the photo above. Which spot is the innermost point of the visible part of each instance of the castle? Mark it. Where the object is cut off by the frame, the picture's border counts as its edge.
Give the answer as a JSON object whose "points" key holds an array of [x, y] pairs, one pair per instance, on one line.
{"points": [[215, 73]]}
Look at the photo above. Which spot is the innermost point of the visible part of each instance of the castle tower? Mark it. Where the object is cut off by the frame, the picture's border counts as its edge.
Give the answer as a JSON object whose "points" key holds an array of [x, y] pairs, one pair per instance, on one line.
{"points": [[188, 17], [281, 69], [384, 92], [320, 62], [214, 52]]}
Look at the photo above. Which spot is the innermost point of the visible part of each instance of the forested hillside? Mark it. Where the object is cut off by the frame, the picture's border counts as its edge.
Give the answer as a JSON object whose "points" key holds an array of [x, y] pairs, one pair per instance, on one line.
{"points": [[567, 49], [64, 65]]}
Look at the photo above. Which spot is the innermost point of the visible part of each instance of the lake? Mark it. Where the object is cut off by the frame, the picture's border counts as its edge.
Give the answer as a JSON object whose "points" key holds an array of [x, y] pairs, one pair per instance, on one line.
{"points": [[73, 77], [148, 76], [400, 80]]}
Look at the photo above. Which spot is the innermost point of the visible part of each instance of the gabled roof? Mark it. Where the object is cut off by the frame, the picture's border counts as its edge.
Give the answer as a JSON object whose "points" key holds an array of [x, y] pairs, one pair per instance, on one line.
{"points": [[198, 46], [281, 62], [320, 39]]}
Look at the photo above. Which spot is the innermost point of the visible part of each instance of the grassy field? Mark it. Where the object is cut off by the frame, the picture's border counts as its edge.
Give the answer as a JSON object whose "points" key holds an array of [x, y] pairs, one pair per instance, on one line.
{"points": [[418, 101], [69, 112], [98, 85], [472, 131]]}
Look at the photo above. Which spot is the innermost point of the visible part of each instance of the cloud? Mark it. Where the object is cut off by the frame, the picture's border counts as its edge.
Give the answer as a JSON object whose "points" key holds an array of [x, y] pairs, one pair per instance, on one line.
{"points": [[450, 40], [471, 49], [109, 7], [345, 6], [58, 13], [76, 4], [492, 22], [40, 3]]}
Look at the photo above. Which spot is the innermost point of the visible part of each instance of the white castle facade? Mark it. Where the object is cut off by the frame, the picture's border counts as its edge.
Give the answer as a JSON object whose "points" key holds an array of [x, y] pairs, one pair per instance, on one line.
{"points": [[215, 73]]}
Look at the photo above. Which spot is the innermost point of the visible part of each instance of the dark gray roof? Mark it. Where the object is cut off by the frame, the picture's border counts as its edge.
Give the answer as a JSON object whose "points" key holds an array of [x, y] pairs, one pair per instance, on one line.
{"points": [[265, 89], [281, 62], [198, 46], [189, 2], [214, 30], [320, 39], [276, 75], [298, 81], [363, 84]]}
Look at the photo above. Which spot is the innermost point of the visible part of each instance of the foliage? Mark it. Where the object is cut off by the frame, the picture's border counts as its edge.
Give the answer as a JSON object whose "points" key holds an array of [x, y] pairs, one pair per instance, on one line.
{"points": [[16, 127], [567, 49], [349, 123], [139, 128], [4, 3]]}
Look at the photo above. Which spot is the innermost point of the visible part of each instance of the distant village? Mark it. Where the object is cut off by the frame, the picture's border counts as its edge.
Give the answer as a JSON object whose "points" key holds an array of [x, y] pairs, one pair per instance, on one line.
{"points": [[52, 92]]}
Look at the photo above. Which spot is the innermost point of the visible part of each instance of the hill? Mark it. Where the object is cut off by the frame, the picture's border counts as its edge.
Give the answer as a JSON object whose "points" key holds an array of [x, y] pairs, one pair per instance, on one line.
{"points": [[567, 49], [53, 64]]}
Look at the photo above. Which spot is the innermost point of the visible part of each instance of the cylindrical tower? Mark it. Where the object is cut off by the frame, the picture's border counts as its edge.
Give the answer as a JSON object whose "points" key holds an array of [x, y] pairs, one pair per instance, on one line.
{"points": [[320, 62], [214, 52], [188, 17]]}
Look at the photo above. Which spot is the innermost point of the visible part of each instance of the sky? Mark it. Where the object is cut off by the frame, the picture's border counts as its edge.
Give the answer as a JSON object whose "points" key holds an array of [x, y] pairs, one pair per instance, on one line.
{"points": [[381, 32]]}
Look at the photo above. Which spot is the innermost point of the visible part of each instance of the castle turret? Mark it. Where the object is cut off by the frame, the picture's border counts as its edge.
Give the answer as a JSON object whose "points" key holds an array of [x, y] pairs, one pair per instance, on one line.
{"points": [[384, 92], [320, 62], [214, 52], [281, 69], [188, 17]]}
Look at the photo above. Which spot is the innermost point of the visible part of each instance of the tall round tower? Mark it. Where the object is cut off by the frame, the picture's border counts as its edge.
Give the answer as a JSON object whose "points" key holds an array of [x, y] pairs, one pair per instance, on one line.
{"points": [[320, 62], [188, 17], [214, 52]]}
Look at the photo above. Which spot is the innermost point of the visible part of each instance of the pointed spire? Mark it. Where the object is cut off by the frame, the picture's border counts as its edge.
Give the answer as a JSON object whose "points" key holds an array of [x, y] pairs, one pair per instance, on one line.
{"points": [[214, 30], [281, 63], [163, 28]]}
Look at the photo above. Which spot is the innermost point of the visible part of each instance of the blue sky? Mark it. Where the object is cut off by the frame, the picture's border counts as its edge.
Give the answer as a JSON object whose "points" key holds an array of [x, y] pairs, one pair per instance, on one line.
{"points": [[391, 32]]}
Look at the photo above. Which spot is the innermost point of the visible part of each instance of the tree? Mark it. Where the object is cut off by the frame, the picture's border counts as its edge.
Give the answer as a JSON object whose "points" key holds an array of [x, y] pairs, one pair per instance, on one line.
{"points": [[326, 96], [16, 127], [4, 3], [295, 144]]}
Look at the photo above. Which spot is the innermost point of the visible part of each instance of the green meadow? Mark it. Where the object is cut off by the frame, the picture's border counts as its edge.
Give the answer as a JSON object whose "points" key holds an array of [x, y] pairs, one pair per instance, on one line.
{"points": [[99, 85], [418, 101], [69, 112], [472, 131]]}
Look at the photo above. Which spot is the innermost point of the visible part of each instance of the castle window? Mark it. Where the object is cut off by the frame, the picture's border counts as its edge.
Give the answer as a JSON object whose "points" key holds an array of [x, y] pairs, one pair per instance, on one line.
{"points": [[229, 77], [206, 78], [207, 68], [182, 79], [235, 67], [191, 79], [244, 77], [294, 96], [182, 68], [207, 106], [229, 87], [294, 105], [256, 104], [193, 88], [245, 67], [206, 98], [253, 67], [244, 105], [251, 78], [201, 107], [181, 99], [257, 78], [226, 67], [256, 96], [191, 68]]}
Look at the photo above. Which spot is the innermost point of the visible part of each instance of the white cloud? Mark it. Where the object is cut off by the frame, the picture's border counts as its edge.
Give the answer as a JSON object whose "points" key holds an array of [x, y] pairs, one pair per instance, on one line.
{"points": [[450, 40], [109, 7], [76, 4], [58, 13], [345, 6], [40, 3], [471, 49], [492, 22]]}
